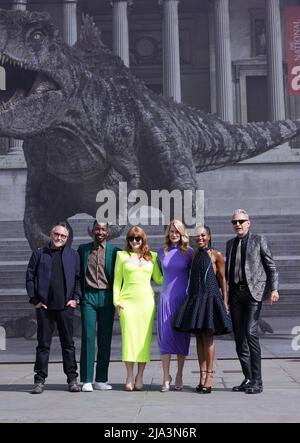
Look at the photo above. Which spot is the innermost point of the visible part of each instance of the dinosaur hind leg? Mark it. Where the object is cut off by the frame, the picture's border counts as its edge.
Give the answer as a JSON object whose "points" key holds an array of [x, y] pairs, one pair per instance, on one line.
{"points": [[46, 203]]}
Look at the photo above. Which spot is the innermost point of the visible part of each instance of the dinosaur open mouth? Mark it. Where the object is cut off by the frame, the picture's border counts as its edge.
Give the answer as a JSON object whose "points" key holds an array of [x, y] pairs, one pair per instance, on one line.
{"points": [[21, 82]]}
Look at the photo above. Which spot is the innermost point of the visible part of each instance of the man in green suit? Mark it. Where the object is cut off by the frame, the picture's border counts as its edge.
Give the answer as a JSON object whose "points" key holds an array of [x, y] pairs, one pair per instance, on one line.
{"points": [[97, 260]]}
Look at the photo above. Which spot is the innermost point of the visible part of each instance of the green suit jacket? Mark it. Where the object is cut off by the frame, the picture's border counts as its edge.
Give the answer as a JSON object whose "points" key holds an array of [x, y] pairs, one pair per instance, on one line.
{"points": [[109, 269]]}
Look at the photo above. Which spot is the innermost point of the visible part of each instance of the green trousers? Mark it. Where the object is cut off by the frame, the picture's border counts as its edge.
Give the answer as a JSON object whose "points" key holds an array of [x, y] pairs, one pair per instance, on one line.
{"points": [[96, 310]]}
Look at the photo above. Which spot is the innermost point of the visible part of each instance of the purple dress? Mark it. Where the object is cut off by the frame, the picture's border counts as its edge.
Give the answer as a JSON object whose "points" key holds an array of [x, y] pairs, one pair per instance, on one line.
{"points": [[175, 267]]}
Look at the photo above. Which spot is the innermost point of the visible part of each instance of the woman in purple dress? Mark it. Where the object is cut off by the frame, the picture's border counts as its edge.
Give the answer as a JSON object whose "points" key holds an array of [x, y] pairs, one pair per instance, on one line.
{"points": [[175, 259]]}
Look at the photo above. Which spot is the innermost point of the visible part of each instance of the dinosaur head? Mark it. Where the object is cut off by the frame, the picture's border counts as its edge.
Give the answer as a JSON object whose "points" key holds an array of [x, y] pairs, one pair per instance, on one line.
{"points": [[38, 85]]}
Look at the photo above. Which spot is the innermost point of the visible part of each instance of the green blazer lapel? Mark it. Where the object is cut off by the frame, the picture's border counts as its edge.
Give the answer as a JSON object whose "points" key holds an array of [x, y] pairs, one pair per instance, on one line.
{"points": [[108, 262], [86, 253]]}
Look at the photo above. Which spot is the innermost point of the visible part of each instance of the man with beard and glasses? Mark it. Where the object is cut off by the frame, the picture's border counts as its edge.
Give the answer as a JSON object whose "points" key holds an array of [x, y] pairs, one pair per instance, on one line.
{"points": [[53, 287]]}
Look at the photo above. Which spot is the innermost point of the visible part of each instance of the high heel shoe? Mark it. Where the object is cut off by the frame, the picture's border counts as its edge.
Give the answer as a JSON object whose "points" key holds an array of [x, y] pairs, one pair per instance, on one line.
{"points": [[199, 387], [166, 386], [129, 386], [178, 387], [138, 387], [207, 389]]}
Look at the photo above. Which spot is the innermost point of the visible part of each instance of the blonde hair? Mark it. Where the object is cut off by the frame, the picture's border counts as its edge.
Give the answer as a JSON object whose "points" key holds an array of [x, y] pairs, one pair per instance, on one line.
{"points": [[184, 238]]}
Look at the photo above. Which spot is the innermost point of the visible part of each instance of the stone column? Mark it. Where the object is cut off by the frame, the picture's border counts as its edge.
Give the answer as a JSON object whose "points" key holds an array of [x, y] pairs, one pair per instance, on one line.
{"points": [[19, 4], [2, 79], [15, 146], [223, 61], [70, 21], [274, 61], [120, 29], [212, 57], [171, 57]]}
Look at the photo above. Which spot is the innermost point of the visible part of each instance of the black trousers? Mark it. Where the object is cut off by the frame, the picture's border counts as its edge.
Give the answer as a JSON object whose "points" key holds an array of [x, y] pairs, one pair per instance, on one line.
{"points": [[245, 312], [46, 320]]}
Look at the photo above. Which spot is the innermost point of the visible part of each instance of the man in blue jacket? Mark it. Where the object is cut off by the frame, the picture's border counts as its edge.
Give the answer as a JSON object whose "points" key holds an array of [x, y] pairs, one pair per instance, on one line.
{"points": [[53, 287]]}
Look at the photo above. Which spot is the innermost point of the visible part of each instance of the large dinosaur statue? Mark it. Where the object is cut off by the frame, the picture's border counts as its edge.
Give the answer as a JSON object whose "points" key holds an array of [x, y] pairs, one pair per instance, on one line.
{"points": [[88, 123]]}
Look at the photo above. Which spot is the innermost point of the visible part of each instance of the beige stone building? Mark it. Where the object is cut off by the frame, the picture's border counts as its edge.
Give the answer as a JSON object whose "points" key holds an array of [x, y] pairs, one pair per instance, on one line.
{"points": [[223, 56]]}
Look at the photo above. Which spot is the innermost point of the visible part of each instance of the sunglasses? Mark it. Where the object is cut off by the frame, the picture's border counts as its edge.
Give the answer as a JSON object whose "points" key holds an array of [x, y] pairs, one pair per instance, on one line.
{"points": [[240, 222], [62, 236], [137, 239]]}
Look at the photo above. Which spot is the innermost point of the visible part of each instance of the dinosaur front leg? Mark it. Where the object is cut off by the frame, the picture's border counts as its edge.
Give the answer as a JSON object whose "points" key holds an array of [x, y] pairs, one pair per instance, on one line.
{"points": [[114, 205], [47, 202], [170, 167], [182, 202]]}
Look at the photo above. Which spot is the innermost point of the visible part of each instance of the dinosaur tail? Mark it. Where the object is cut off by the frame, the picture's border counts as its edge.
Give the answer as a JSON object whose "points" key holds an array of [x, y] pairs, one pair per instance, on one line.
{"points": [[228, 143]]}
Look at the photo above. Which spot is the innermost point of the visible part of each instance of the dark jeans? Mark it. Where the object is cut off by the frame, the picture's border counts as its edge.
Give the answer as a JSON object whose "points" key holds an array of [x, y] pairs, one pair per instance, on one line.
{"points": [[46, 320], [245, 312]]}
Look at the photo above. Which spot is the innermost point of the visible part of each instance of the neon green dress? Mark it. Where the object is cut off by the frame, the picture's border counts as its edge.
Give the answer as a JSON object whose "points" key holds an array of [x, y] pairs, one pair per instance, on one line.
{"points": [[133, 291]]}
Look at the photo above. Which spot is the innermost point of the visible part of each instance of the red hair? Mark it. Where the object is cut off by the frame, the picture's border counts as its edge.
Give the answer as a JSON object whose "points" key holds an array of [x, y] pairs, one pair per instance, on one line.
{"points": [[136, 231]]}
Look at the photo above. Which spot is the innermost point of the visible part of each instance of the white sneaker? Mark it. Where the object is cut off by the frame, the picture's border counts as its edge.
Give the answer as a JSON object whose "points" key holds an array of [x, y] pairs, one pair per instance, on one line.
{"points": [[87, 387], [102, 386]]}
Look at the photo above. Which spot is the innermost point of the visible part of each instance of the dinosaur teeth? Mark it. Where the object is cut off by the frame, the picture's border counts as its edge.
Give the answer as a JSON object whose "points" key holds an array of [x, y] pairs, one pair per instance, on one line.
{"points": [[4, 59]]}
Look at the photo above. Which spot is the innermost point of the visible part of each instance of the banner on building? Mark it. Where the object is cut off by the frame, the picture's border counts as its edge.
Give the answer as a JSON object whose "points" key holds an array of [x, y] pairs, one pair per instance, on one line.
{"points": [[292, 26]]}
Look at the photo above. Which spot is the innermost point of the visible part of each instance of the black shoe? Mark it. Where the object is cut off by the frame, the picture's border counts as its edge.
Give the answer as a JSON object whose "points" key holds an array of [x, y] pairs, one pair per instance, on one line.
{"points": [[243, 386], [206, 390], [74, 386], [38, 388], [254, 388], [199, 388]]}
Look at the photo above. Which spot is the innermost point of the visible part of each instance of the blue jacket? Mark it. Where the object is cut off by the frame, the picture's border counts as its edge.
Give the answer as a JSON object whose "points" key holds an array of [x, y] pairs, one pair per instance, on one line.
{"points": [[39, 273]]}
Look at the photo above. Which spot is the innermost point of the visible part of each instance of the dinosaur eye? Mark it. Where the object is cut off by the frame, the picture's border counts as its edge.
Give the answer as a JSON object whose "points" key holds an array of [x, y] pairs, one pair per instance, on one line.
{"points": [[37, 36]]}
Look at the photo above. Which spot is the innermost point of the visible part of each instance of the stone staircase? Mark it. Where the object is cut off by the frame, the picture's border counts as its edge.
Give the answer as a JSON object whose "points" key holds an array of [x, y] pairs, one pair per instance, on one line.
{"points": [[283, 233]]}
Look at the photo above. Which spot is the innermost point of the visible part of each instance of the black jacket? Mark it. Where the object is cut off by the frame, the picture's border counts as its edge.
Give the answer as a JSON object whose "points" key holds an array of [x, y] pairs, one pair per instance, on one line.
{"points": [[39, 273]]}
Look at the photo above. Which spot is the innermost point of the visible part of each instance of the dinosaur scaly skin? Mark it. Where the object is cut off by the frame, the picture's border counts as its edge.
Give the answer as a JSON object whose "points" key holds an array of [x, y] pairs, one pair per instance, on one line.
{"points": [[88, 123]]}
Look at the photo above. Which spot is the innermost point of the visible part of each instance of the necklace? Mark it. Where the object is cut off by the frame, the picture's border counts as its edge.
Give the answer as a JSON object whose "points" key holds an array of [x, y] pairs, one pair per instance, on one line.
{"points": [[137, 261]]}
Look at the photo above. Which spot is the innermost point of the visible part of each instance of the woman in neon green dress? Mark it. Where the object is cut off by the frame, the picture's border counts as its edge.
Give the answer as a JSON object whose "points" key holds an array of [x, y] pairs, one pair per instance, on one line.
{"points": [[134, 302]]}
